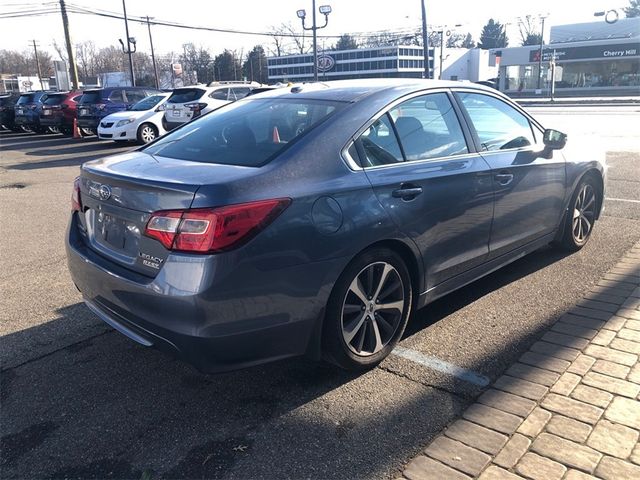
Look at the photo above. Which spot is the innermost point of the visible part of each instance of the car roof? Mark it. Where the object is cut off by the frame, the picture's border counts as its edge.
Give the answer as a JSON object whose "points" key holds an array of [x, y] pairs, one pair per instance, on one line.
{"points": [[357, 89]]}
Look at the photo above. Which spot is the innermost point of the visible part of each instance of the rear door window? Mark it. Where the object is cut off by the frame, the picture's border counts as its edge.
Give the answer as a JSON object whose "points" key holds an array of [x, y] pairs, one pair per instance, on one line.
{"points": [[184, 95], [428, 127], [246, 133], [498, 125], [237, 93]]}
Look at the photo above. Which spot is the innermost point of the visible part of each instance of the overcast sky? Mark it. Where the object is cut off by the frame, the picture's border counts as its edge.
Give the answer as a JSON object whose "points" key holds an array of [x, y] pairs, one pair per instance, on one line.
{"points": [[260, 15]]}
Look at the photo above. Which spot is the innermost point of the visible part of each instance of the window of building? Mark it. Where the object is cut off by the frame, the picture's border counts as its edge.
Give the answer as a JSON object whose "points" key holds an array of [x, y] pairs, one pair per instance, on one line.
{"points": [[499, 126]]}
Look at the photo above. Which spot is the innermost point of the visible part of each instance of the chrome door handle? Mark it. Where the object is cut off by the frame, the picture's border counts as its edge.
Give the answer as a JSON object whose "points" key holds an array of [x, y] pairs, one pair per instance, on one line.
{"points": [[504, 178]]}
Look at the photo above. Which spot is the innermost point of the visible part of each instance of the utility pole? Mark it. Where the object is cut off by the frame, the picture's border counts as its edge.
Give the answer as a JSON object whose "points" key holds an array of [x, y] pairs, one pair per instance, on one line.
{"points": [[128, 51], [540, 55], [425, 41], [35, 49], [441, 53], [67, 38], [153, 55]]}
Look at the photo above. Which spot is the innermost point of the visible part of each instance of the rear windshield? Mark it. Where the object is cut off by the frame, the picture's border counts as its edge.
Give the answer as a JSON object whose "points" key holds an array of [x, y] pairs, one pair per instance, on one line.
{"points": [[28, 98], [183, 95], [91, 96], [147, 103], [247, 133], [54, 99]]}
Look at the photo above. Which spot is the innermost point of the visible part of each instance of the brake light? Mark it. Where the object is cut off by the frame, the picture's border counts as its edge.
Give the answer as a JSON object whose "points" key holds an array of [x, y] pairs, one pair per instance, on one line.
{"points": [[76, 201], [100, 106], [209, 230], [196, 106]]}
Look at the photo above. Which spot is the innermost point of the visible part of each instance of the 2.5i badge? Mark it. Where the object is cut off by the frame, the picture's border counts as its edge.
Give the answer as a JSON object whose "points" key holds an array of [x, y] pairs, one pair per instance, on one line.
{"points": [[151, 261]]}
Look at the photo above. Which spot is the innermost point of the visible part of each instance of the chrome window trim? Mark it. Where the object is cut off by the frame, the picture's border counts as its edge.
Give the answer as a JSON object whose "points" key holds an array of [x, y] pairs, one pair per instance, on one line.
{"points": [[353, 165], [448, 158]]}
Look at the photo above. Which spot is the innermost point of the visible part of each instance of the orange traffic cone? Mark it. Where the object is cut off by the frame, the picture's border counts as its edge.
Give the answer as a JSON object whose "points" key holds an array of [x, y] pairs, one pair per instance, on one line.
{"points": [[276, 135], [76, 130]]}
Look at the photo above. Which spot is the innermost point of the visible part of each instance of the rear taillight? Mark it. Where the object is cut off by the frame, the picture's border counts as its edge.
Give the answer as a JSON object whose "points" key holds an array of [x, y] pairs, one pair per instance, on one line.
{"points": [[76, 201], [33, 107], [196, 106], [209, 230], [100, 106]]}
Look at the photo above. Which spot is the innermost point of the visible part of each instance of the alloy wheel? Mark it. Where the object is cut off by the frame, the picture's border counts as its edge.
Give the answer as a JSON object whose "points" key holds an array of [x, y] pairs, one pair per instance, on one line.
{"points": [[373, 309], [584, 213]]}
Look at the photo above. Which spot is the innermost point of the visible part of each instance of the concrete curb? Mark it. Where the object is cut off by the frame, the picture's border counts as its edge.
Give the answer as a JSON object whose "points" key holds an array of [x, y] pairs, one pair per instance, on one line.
{"points": [[568, 409]]}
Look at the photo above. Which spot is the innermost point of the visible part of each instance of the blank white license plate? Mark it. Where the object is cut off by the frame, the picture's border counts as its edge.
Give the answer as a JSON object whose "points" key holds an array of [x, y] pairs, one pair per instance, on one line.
{"points": [[176, 113], [84, 111], [46, 112], [20, 111]]}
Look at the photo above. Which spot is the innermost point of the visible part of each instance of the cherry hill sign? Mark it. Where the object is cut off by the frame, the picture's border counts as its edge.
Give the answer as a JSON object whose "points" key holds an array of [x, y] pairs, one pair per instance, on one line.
{"points": [[590, 52]]}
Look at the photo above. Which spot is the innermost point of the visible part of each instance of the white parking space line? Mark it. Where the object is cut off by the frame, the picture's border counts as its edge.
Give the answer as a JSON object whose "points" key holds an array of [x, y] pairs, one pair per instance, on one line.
{"points": [[622, 200], [438, 365]]}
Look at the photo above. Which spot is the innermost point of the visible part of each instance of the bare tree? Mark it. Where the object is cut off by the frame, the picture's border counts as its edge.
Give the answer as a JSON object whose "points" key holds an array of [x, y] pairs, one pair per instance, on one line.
{"points": [[529, 33], [286, 40]]}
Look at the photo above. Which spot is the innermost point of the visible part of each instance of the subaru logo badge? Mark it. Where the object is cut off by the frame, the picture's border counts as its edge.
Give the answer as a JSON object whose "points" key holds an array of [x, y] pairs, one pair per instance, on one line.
{"points": [[105, 192]]}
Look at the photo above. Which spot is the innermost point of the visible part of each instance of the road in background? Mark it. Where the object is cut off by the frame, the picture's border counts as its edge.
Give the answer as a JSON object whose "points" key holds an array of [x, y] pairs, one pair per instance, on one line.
{"points": [[81, 401]]}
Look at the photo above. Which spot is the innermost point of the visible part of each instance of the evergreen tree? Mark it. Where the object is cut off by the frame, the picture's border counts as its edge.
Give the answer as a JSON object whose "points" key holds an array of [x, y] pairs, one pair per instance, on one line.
{"points": [[255, 66], [346, 42], [633, 10], [493, 35]]}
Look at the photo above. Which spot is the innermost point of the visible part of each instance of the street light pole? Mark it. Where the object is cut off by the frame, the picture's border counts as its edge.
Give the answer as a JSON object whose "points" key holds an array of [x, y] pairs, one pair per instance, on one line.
{"points": [[540, 55], [128, 51], [325, 10], [153, 55], [425, 41]]}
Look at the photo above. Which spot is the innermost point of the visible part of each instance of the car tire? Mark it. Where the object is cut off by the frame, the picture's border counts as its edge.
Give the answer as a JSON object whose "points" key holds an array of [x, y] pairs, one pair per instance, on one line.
{"points": [[368, 310], [147, 132], [581, 215], [87, 132]]}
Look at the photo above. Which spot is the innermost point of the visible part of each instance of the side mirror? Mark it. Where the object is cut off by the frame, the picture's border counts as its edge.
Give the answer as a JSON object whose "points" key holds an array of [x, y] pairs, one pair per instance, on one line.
{"points": [[161, 108], [554, 139]]}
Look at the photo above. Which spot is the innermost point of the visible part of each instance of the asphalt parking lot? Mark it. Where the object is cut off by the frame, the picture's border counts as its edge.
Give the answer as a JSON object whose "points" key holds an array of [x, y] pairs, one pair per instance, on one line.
{"points": [[79, 400]]}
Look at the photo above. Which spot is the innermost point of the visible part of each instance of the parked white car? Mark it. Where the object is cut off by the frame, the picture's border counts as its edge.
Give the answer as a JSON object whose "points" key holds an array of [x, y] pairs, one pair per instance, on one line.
{"points": [[187, 103], [142, 122]]}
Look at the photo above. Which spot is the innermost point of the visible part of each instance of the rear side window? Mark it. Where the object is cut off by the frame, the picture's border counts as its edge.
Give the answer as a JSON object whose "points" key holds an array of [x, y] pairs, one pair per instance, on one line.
{"points": [[246, 133], [428, 127], [498, 125], [91, 97], [184, 95], [379, 144], [54, 99], [116, 96], [134, 96], [220, 94]]}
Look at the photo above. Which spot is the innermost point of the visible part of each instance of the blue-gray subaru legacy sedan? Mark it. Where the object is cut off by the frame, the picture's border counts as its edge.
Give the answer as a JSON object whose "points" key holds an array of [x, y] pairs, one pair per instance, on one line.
{"points": [[314, 219]]}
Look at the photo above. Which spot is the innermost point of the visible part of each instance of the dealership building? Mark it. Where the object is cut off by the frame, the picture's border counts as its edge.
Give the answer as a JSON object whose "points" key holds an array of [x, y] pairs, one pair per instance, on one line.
{"points": [[398, 61], [596, 58]]}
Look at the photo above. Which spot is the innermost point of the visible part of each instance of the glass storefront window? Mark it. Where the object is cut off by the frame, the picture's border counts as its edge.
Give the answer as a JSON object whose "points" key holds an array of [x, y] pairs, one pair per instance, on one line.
{"points": [[584, 74]]}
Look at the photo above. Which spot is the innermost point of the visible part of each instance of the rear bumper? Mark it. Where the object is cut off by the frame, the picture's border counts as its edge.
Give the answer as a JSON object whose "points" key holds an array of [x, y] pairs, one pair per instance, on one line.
{"points": [[88, 122], [27, 120], [54, 121], [171, 125], [215, 312]]}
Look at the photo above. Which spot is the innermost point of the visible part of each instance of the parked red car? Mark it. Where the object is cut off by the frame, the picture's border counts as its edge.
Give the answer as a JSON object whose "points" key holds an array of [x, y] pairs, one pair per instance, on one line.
{"points": [[59, 111]]}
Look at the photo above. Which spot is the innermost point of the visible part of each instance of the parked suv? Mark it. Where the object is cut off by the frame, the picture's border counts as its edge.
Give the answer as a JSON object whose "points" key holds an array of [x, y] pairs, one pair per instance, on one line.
{"points": [[97, 104], [28, 108], [59, 110], [187, 103], [7, 111]]}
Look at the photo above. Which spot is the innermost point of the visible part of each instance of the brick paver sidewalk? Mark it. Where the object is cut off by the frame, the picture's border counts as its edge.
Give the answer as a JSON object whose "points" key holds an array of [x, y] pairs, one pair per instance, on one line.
{"points": [[568, 409]]}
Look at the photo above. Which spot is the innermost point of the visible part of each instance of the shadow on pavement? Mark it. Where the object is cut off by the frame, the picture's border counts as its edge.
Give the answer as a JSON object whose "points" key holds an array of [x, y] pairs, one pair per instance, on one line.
{"points": [[105, 404]]}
